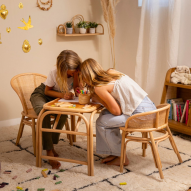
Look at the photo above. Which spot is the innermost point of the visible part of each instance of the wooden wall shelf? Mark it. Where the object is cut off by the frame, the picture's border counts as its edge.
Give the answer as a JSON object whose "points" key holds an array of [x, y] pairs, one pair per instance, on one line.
{"points": [[61, 30], [170, 91]]}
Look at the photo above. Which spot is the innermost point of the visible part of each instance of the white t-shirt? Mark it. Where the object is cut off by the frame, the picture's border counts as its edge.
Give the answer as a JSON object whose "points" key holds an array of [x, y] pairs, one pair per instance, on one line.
{"points": [[51, 80]]}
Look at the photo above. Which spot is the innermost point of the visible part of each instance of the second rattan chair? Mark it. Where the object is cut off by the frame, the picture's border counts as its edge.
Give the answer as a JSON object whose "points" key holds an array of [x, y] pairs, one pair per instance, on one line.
{"points": [[147, 123]]}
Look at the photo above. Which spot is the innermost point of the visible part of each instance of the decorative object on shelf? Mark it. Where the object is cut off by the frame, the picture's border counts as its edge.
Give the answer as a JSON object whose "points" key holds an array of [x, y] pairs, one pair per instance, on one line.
{"points": [[92, 27], [27, 25], [45, 3], [61, 30], [69, 28], [109, 11], [0, 39], [3, 12], [8, 29], [181, 75], [82, 25], [26, 46], [40, 41], [20, 5]]}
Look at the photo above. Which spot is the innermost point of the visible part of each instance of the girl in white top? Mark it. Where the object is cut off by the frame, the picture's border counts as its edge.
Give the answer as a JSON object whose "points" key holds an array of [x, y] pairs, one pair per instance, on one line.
{"points": [[122, 98], [59, 83]]}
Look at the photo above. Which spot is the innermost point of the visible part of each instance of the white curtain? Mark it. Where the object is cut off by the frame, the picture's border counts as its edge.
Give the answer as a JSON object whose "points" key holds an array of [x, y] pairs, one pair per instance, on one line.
{"points": [[157, 45]]}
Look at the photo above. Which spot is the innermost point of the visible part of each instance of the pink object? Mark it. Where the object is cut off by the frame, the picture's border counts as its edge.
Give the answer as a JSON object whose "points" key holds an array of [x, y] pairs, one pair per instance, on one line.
{"points": [[29, 170], [187, 106], [14, 177]]}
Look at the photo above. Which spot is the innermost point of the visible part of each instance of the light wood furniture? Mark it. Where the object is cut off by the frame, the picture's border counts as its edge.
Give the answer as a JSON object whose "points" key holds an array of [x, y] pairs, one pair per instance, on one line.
{"points": [[61, 30], [24, 84], [78, 111], [147, 123], [172, 90]]}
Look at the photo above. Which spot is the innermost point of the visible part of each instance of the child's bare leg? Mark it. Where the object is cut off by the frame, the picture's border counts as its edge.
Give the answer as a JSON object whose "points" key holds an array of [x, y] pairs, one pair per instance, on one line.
{"points": [[55, 153], [116, 161], [109, 158], [55, 164]]}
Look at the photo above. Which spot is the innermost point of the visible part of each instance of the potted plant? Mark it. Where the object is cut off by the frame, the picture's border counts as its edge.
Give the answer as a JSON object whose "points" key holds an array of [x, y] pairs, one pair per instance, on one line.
{"points": [[92, 27], [83, 26], [69, 28]]}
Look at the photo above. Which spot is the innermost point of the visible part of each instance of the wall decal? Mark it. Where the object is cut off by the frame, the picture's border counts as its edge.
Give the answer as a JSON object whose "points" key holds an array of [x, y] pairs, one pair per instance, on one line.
{"points": [[8, 29], [40, 41], [0, 39], [26, 46], [3, 12], [28, 25], [20, 5]]}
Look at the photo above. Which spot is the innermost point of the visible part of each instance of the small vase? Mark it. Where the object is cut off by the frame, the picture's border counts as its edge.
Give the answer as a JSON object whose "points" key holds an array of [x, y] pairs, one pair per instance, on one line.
{"points": [[92, 30], [82, 30], [69, 30]]}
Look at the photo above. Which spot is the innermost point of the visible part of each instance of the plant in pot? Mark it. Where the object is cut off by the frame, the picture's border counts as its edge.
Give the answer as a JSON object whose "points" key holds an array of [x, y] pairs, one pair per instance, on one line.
{"points": [[83, 26], [92, 27], [69, 28]]}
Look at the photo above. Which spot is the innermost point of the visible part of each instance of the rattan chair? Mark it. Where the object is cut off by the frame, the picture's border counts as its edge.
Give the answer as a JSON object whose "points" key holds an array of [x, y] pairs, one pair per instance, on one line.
{"points": [[147, 123], [24, 84]]}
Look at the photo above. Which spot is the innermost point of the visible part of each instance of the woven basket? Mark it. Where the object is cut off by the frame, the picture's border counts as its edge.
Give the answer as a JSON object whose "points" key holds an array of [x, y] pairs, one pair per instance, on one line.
{"points": [[84, 98]]}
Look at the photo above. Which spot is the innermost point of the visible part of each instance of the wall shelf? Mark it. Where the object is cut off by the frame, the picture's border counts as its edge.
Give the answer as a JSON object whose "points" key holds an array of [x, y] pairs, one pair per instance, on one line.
{"points": [[61, 30]]}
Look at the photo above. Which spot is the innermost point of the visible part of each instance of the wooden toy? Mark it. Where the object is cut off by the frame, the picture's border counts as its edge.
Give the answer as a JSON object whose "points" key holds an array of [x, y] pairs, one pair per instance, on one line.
{"points": [[122, 183], [30, 169], [44, 174], [58, 182]]}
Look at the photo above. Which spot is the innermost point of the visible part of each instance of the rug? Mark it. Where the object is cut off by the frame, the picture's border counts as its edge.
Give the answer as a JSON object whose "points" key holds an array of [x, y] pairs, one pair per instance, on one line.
{"points": [[140, 174]]}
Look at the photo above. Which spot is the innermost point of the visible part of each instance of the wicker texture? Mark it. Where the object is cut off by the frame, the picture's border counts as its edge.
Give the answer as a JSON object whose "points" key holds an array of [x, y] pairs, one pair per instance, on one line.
{"points": [[24, 85]]}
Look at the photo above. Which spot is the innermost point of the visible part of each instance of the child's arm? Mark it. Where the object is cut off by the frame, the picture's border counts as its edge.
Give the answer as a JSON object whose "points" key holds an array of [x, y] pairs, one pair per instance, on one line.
{"points": [[50, 92], [105, 98], [76, 84]]}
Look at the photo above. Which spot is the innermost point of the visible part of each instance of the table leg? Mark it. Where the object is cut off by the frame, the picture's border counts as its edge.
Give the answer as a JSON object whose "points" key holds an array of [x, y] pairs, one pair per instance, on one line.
{"points": [[73, 127]]}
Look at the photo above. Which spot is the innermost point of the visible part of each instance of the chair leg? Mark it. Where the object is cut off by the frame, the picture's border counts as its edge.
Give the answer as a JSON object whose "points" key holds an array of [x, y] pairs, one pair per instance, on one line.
{"points": [[174, 145], [34, 136], [73, 127], [122, 151], [144, 145], [69, 135], [21, 127], [153, 155], [156, 155]]}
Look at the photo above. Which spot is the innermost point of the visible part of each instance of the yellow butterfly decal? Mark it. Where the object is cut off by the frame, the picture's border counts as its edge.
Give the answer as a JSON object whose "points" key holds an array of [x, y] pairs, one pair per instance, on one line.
{"points": [[27, 25]]}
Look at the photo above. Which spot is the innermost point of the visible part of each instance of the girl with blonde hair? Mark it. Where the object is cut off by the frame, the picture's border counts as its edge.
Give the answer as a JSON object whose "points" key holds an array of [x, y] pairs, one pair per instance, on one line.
{"points": [[59, 83], [122, 97]]}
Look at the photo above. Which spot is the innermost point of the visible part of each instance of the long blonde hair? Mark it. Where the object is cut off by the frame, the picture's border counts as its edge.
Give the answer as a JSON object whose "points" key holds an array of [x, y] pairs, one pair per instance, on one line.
{"points": [[66, 60], [93, 74]]}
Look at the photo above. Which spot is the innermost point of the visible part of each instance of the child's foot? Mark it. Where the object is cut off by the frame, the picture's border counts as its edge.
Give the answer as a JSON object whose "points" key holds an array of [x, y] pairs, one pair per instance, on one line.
{"points": [[116, 162], [54, 163], [55, 153], [109, 158]]}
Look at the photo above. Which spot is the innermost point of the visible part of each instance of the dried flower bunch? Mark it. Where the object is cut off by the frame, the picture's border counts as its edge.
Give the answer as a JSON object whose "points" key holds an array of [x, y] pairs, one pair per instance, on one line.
{"points": [[108, 7]]}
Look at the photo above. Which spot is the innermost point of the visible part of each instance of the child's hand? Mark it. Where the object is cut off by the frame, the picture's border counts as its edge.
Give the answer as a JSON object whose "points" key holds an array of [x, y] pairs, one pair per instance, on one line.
{"points": [[68, 96]]}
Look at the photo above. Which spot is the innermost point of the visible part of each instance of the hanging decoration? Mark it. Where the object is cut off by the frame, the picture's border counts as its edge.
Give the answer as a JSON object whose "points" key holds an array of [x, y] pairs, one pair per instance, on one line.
{"points": [[20, 5], [40, 41], [49, 3], [0, 39], [28, 25], [3, 12], [109, 12], [8, 29], [26, 46]]}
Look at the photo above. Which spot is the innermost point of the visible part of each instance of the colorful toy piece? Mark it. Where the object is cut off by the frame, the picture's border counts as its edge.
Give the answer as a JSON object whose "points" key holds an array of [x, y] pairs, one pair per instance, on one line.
{"points": [[49, 172], [19, 188], [14, 177], [38, 177], [56, 176], [44, 174], [45, 169], [41, 189], [122, 183], [58, 182], [30, 169], [61, 170]]}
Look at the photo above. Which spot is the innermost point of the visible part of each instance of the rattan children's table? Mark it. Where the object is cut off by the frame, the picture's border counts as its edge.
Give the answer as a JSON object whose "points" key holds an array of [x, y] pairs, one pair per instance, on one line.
{"points": [[48, 108]]}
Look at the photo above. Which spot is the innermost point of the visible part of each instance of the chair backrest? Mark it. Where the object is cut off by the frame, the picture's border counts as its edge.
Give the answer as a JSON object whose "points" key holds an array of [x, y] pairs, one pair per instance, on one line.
{"points": [[24, 84], [149, 121]]}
